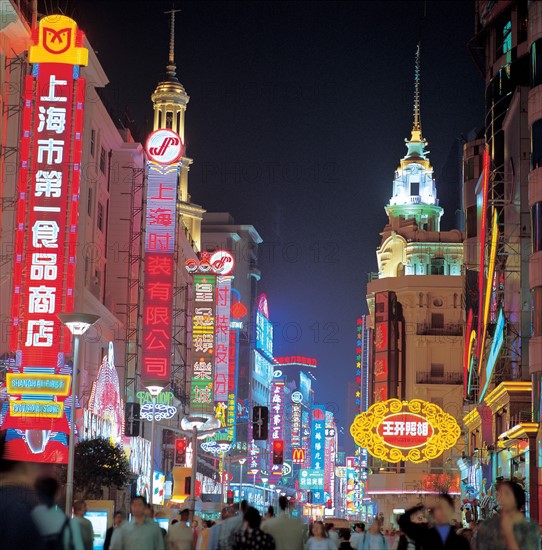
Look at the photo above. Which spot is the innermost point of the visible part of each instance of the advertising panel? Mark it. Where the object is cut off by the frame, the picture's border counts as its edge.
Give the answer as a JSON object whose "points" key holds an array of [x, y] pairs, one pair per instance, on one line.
{"points": [[264, 328], [45, 243], [312, 480], [412, 431], [276, 431], [318, 446], [381, 347]]}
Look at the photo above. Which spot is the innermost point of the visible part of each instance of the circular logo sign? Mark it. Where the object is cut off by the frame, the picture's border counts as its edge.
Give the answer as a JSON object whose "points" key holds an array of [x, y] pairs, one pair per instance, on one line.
{"points": [[222, 262], [277, 374], [164, 146], [286, 469], [297, 397]]}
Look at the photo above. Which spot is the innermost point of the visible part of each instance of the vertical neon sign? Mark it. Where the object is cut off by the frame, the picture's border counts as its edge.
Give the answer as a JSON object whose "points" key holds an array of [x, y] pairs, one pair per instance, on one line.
{"points": [[276, 424], [45, 244]]}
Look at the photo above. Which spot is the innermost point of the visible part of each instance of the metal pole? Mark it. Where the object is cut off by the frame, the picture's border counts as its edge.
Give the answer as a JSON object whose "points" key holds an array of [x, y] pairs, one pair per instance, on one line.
{"points": [[194, 472], [153, 427], [228, 476], [71, 447], [241, 483], [222, 478]]}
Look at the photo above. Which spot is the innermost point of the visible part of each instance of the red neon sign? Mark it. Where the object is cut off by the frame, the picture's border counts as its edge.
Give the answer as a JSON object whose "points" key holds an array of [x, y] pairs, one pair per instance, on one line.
{"points": [[47, 220]]}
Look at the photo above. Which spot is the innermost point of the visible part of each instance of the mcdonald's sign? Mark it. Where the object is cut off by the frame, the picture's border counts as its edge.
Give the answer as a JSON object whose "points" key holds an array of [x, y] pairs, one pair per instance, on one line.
{"points": [[298, 456]]}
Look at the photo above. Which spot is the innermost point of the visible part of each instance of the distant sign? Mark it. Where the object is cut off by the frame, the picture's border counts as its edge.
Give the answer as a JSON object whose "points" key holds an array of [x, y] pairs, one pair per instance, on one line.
{"points": [[297, 397], [311, 479]]}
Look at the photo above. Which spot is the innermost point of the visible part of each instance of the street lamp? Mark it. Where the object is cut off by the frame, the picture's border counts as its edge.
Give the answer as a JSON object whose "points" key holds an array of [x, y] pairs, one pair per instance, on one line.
{"points": [[241, 462], [78, 324], [154, 388], [202, 426], [264, 481], [272, 487]]}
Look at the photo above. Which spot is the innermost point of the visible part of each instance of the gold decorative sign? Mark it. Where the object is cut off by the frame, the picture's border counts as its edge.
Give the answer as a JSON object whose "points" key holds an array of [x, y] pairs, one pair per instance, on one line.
{"points": [[412, 431]]}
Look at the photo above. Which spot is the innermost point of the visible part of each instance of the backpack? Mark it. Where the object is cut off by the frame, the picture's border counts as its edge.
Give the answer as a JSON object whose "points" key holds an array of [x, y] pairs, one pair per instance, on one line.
{"points": [[55, 541]]}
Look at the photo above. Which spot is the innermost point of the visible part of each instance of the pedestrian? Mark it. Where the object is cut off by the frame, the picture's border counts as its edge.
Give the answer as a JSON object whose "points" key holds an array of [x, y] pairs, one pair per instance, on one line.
{"points": [[57, 530], [319, 539], [118, 520], [232, 525], [251, 537], [214, 535], [85, 526], [509, 530], [287, 532], [142, 533], [359, 529], [180, 536], [372, 538], [269, 514], [332, 534], [205, 532], [17, 498], [441, 535]]}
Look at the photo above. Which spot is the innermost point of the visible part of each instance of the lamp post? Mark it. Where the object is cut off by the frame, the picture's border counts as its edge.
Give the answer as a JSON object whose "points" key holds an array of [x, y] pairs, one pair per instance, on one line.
{"points": [[154, 388], [264, 481], [241, 462], [272, 496], [78, 324]]}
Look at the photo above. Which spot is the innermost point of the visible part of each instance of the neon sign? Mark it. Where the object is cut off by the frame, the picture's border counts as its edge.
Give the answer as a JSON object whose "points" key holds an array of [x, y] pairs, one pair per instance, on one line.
{"points": [[222, 329], [496, 346], [318, 446], [276, 424], [164, 147], [297, 360], [220, 262], [264, 329], [45, 242], [411, 431], [161, 216], [163, 408]]}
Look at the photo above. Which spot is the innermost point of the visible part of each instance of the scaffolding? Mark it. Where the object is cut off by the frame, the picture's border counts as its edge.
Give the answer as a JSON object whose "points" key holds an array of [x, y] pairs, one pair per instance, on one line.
{"points": [[131, 309]]}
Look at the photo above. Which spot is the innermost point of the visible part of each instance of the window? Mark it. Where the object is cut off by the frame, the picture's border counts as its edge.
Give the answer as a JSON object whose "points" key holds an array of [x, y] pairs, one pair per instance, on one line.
{"points": [[414, 188], [536, 63], [89, 201], [536, 144], [437, 266], [102, 161], [437, 320], [471, 222], [437, 370], [92, 142], [536, 227], [100, 217], [504, 41]]}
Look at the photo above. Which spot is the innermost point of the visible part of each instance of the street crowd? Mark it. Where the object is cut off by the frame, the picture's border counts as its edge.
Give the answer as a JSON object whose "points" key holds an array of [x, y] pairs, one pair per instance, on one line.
{"points": [[30, 519]]}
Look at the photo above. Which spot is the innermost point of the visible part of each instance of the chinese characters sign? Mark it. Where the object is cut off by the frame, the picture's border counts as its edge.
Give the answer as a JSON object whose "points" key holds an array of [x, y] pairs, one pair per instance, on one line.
{"points": [[264, 329], [318, 446], [312, 480], [223, 301], [203, 342], [381, 347], [295, 427], [45, 245], [159, 271], [276, 423], [412, 431]]}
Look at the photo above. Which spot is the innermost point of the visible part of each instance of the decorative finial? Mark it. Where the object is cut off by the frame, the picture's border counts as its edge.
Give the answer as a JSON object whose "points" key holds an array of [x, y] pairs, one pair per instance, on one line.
{"points": [[170, 73], [417, 126]]}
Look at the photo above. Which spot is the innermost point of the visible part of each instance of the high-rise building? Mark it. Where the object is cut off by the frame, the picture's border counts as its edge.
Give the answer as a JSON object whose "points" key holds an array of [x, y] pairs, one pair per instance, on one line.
{"points": [[416, 307]]}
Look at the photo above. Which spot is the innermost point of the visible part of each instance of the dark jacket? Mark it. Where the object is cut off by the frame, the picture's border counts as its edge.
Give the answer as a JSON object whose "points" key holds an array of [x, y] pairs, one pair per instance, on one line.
{"points": [[428, 538]]}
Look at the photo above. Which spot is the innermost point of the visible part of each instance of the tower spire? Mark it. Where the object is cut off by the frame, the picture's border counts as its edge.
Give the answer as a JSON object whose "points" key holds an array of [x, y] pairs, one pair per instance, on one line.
{"points": [[170, 68], [417, 125]]}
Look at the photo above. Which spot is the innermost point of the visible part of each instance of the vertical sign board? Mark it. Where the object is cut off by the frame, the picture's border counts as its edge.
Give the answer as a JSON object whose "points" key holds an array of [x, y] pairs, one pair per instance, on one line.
{"points": [[264, 328], [381, 347], [329, 454], [306, 438], [164, 149], [295, 426], [233, 352], [276, 431], [318, 446], [203, 345], [222, 343], [45, 243]]}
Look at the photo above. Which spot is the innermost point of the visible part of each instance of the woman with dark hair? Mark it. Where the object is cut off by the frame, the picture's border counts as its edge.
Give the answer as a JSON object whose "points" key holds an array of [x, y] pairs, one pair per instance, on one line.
{"points": [[319, 539], [509, 530]]}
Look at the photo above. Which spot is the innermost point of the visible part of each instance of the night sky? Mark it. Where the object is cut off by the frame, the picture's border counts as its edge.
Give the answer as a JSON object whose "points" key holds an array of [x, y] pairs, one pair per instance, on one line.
{"points": [[296, 123]]}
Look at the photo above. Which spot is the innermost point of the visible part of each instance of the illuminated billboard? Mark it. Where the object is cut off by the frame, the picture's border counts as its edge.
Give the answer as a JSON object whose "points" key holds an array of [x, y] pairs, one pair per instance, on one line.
{"points": [[496, 346], [264, 329], [318, 438], [276, 423], [45, 243], [411, 431]]}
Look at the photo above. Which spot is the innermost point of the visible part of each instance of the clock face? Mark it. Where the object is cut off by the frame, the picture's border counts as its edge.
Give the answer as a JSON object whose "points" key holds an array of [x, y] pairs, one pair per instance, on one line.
{"points": [[164, 146]]}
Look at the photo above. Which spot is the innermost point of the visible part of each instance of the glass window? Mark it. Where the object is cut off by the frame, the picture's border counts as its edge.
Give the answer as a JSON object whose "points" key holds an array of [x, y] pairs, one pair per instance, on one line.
{"points": [[536, 144], [92, 142], [437, 370], [100, 217], [471, 222], [504, 41], [102, 160], [536, 63], [437, 320], [536, 227], [537, 311]]}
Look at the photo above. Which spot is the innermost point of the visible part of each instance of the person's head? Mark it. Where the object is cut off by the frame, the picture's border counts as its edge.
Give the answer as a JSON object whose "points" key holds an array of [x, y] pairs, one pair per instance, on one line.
{"points": [[117, 519], [47, 489], [330, 527], [195, 524], [318, 529], [359, 527], [375, 526], [283, 503], [270, 511], [138, 506], [174, 521], [418, 517], [252, 518], [244, 506], [510, 496], [80, 508], [184, 515], [443, 509], [226, 513]]}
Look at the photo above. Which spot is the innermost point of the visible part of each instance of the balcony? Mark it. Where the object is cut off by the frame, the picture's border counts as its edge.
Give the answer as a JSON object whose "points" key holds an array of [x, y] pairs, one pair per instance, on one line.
{"points": [[455, 378], [449, 329]]}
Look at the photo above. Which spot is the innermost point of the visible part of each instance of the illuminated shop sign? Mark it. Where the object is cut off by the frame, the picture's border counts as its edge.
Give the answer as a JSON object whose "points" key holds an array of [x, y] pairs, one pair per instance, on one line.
{"points": [[412, 431], [161, 214], [297, 361], [222, 329], [298, 456], [318, 438], [295, 425], [220, 262], [496, 346], [264, 329], [203, 342], [45, 242], [163, 408], [312, 480], [276, 424]]}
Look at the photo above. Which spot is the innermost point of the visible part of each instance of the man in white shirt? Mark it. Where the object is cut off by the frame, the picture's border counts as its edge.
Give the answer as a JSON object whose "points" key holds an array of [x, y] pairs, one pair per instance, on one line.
{"points": [[355, 537], [288, 532], [180, 536]]}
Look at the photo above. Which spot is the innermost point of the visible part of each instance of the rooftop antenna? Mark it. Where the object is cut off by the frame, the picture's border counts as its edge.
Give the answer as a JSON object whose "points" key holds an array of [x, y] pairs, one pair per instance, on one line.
{"points": [[171, 59]]}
